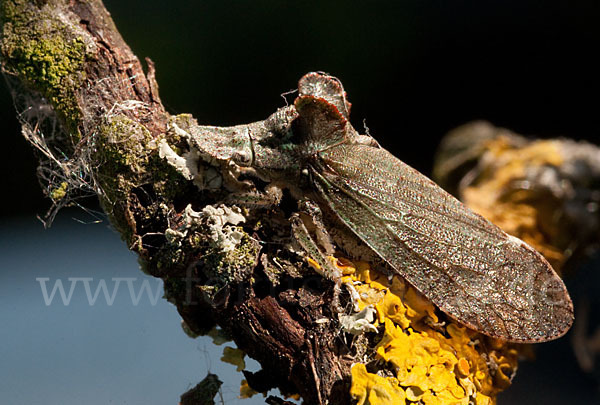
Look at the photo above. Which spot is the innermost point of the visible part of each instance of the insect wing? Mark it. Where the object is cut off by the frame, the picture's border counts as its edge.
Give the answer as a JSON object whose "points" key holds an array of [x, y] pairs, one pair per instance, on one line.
{"points": [[468, 267]]}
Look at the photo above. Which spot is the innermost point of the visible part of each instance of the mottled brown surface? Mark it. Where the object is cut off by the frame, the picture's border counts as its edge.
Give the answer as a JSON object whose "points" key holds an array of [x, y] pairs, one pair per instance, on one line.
{"points": [[116, 74], [276, 325]]}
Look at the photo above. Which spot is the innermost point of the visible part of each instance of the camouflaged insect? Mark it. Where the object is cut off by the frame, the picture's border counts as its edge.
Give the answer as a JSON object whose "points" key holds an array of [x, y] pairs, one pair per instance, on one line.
{"points": [[473, 271]]}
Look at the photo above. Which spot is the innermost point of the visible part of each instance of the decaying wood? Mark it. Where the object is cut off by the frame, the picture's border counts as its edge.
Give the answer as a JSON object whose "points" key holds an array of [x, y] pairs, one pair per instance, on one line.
{"points": [[204, 392], [67, 58]]}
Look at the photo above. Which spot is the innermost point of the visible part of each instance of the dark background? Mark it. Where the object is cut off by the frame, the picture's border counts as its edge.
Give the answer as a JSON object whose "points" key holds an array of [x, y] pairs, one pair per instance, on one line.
{"points": [[413, 69]]}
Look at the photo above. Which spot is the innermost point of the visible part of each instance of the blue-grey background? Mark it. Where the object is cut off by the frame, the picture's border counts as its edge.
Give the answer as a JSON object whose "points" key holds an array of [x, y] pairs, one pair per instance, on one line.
{"points": [[92, 354], [413, 69]]}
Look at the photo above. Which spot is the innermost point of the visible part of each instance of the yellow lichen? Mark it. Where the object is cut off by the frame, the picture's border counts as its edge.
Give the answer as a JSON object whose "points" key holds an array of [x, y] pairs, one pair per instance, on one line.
{"points": [[368, 388], [419, 358], [218, 336], [234, 356], [59, 192], [519, 211], [246, 391]]}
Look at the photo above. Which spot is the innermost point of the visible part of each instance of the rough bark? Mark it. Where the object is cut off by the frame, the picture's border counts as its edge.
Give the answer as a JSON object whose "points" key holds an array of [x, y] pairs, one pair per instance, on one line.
{"points": [[102, 111], [97, 122]]}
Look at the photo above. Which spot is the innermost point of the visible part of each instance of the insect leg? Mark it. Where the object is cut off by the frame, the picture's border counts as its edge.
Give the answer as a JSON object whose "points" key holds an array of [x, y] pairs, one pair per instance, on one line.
{"points": [[315, 218], [270, 198], [303, 238]]}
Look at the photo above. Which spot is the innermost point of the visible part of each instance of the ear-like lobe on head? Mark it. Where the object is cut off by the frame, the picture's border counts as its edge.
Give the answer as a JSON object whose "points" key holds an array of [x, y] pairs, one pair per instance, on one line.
{"points": [[319, 121], [321, 85]]}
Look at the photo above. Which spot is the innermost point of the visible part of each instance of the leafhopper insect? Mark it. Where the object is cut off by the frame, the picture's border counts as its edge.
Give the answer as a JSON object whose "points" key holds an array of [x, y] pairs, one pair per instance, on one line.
{"points": [[484, 278]]}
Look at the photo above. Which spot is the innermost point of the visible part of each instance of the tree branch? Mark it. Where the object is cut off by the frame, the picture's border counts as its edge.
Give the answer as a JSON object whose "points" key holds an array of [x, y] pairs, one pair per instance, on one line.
{"points": [[96, 120], [99, 127]]}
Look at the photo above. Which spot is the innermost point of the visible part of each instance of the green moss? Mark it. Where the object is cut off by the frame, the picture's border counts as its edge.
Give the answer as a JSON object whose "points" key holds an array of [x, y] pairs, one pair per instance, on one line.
{"points": [[195, 241], [122, 153], [175, 288], [39, 48], [234, 265], [168, 182], [185, 122], [52, 67], [12, 10], [121, 157]]}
